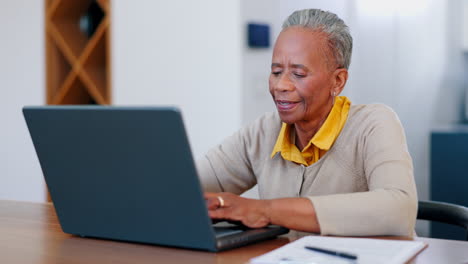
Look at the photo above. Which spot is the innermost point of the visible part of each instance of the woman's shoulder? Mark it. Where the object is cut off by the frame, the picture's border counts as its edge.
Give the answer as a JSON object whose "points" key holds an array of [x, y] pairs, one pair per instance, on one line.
{"points": [[373, 119], [375, 108], [377, 112]]}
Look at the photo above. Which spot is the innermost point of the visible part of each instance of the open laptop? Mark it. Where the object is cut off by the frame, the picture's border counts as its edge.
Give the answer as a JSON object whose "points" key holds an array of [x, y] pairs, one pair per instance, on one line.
{"points": [[127, 173]]}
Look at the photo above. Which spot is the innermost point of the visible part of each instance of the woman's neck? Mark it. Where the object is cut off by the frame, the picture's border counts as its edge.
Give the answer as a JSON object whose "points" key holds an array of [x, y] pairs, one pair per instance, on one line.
{"points": [[306, 130]]}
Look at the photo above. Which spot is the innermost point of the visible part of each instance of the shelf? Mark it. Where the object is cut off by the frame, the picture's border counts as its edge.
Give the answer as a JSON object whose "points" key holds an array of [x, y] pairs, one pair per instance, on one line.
{"points": [[74, 39], [77, 94], [57, 71], [94, 68], [77, 51]]}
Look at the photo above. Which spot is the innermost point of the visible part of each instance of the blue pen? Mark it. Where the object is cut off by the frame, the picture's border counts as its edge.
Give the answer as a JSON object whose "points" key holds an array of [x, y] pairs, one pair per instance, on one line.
{"points": [[333, 252]]}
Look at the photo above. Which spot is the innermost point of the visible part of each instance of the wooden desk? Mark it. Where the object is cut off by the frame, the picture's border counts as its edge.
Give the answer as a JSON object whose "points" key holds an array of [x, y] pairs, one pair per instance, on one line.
{"points": [[30, 233]]}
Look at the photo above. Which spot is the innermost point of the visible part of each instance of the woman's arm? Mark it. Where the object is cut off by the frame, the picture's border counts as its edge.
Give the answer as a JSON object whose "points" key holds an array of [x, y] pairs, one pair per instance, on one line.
{"points": [[292, 213], [228, 166]]}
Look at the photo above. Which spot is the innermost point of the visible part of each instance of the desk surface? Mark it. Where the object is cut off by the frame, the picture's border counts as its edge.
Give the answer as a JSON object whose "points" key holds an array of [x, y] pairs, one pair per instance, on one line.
{"points": [[30, 233]]}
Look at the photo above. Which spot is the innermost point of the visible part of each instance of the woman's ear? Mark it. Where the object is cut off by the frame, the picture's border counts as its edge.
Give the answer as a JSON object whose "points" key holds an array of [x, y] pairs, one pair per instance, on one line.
{"points": [[340, 77]]}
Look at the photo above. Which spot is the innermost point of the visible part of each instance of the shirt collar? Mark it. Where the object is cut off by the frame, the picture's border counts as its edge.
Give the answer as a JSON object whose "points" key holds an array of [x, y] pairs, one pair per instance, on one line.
{"points": [[325, 136]]}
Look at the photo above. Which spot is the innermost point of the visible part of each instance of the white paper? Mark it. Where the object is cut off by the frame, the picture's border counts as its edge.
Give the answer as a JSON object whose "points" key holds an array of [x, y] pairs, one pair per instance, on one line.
{"points": [[369, 251]]}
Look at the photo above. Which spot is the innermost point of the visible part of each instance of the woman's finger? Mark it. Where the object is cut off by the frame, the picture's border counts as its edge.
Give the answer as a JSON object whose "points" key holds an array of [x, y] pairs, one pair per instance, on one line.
{"points": [[212, 203]]}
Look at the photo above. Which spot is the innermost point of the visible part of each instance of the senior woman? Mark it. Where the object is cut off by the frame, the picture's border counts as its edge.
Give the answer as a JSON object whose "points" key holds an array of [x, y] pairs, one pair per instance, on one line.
{"points": [[322, 165]]}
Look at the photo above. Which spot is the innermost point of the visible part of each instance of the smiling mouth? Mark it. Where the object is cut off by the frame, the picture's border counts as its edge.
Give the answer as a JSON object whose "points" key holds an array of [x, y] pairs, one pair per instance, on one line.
{"points": [[285, 105]]}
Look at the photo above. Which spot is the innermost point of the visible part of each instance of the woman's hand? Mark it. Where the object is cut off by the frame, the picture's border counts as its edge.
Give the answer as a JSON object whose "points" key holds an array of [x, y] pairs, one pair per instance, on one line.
{"points": [[227, 206], [293, 213]]}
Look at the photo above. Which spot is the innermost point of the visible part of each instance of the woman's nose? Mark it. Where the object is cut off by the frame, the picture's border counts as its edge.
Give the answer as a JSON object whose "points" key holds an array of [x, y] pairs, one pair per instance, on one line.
{"points": [[284, 84]]}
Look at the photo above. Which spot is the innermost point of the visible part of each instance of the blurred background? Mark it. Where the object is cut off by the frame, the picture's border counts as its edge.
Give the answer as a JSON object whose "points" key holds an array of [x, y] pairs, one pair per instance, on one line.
{"points": [[410, 55]]}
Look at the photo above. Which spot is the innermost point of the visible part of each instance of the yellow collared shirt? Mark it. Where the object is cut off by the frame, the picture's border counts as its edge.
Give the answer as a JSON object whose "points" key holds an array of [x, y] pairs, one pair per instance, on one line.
{"points": [[320, 143]]}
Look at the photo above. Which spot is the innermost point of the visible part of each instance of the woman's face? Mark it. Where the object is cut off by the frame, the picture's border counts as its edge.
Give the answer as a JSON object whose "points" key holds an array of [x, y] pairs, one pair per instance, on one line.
{"points": [[301, 80]]}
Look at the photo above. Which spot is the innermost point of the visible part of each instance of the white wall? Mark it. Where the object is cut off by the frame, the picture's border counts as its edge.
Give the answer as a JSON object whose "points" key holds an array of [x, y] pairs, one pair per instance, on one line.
{"points": [[22, 83], [185, 53], [256, 62]]}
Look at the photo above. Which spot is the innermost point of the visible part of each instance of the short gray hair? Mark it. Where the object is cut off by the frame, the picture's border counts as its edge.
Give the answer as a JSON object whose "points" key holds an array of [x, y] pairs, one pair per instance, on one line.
{"points": [[340, 41]]}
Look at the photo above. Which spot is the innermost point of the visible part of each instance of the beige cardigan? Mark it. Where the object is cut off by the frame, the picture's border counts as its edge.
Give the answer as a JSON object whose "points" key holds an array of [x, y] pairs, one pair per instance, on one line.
{"points": [[363, 186]]}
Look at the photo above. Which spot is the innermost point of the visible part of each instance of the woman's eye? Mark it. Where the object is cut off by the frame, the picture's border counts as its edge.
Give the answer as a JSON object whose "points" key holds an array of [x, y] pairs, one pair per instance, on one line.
{"points": [[276, 73], [299, 75]]}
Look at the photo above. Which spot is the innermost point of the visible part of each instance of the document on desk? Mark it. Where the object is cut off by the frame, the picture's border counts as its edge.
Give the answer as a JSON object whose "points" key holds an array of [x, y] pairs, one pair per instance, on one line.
{"points": [[367, 251]]}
